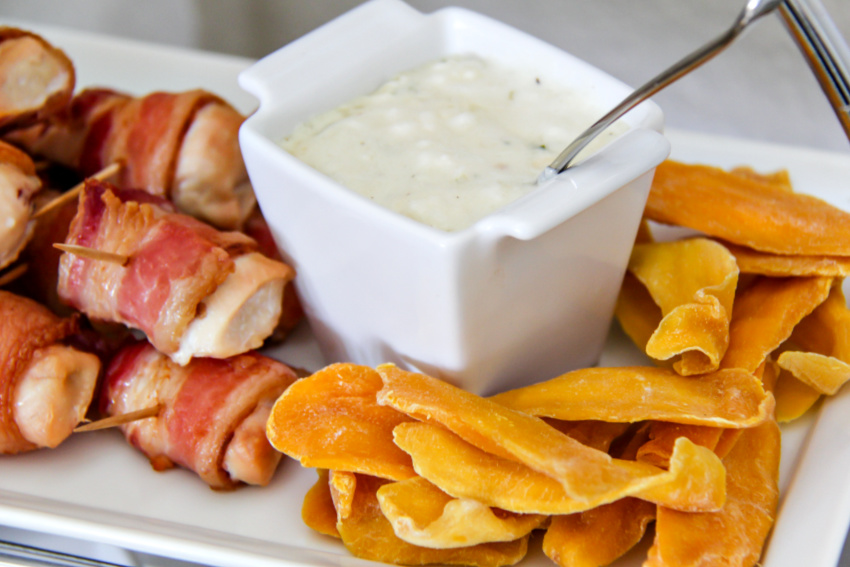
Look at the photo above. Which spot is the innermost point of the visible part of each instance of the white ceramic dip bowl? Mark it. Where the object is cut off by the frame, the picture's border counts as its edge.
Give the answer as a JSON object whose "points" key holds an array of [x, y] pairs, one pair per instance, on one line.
{"points": [[523, 294]]}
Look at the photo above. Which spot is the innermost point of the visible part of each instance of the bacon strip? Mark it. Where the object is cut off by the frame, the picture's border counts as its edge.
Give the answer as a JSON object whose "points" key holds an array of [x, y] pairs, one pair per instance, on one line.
{"points": [[29, 330], [177, 264], [183, 146], [214, 412], [36, 79]]}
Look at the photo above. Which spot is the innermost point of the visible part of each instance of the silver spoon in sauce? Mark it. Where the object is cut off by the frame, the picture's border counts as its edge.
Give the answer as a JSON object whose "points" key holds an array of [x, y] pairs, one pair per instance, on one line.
{"points": [[753, 10]]}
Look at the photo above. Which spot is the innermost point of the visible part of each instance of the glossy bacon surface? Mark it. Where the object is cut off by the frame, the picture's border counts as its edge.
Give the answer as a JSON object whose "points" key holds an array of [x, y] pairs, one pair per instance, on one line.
{"points": [[174, 263], [203, 404], [27, 327], [146, 136]]}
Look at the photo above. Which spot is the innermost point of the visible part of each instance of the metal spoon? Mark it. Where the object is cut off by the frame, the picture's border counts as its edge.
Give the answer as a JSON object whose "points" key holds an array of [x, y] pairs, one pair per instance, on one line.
{"points": [[826, 52], [753, 10]]}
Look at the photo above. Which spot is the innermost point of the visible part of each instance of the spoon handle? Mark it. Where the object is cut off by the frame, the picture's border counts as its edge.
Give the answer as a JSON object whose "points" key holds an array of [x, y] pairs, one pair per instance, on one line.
{"points": [[647, 90], [825, 51], [753, 11]]}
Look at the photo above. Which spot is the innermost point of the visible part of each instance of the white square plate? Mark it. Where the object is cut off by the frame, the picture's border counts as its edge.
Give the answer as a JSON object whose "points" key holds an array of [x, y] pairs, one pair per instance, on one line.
{"points": [[95, 487]]}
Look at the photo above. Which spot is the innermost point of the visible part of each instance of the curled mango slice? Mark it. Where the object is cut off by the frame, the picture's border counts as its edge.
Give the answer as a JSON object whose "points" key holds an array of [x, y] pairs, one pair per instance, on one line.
{"points": [[824, 374], [726, 398], [766, 313], [693, 281], [815, 359], [424, 515], [695, 480], [636, 311], [737, 532], [793, 397], [598, 536], [827, 329], [746, 210], [332, 420], [368, 534]]}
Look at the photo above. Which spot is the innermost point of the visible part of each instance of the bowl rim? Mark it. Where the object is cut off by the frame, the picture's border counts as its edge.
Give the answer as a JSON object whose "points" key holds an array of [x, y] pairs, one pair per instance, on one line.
{"points": [[266, 78]]}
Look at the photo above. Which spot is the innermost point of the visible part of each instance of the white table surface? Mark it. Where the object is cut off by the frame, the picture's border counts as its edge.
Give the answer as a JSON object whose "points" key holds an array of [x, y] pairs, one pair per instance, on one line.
{"points": [[759, 89]]}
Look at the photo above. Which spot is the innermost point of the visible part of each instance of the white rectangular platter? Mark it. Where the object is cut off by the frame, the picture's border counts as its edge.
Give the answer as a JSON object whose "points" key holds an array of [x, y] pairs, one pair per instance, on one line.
{"points": [[95, 487]]}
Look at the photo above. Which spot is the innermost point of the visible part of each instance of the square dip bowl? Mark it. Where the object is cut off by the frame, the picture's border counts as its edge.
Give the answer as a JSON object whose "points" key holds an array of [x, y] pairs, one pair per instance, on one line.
{"points": [[520, 296]]}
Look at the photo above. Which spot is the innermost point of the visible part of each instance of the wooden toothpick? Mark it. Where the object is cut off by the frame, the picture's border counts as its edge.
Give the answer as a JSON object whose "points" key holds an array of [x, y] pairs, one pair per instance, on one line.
{"points": [[116, 420], [93, 253], [74, 192], [13, 274]]}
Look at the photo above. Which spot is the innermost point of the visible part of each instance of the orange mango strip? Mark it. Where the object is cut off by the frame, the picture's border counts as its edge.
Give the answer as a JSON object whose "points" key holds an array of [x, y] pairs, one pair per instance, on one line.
{"points": [[422, 514], [824, 374], [827, 329], [662, 438], [820, 356], [726, 398], [367, 534], [662, 435], [746, 211], [780, 179], [695, 480], [583, 472], [793, 398], [318, 511], [331, 420], [780, 265], [598, 536], [734, 535], [601, 535], [693, 281], [766, 313], [342, 485], [636, 311]]}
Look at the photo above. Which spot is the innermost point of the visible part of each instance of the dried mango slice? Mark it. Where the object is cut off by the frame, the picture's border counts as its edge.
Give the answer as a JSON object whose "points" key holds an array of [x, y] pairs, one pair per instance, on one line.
{"points": [[746, 211], [695, 479], [367, 534], [424, 515], [662, 438], [693, 281], [636, 311], [342, 486], [598, 536], [735, 534], [780, 179], [793, 398], [815, 358], [583, 472], [766, 314], [826, 330], [825, 374], [318, 511], [332, 420], [726, 398], [780, 265]]}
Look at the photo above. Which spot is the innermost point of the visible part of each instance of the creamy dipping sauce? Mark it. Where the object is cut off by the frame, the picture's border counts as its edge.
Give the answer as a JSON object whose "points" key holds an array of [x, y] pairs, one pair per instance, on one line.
{"points": [[449, 142]]}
